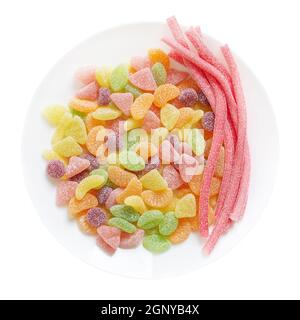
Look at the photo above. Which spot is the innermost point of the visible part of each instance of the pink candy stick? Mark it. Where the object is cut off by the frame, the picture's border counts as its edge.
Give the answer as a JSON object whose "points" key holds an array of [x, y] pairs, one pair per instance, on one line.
{"points": [[176, 57], [176, 31]]}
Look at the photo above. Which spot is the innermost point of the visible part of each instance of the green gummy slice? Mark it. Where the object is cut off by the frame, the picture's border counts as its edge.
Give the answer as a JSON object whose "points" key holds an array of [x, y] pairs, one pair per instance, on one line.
{"points": [[122, 224], [131, 161], [125, 212], [150, 219], [159, 73], [169, 224], [156, 243], [119, 78]]}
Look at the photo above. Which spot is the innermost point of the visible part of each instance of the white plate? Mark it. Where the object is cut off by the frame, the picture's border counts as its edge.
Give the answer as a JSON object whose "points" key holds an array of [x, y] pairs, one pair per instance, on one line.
{"points": [[112, 47]]}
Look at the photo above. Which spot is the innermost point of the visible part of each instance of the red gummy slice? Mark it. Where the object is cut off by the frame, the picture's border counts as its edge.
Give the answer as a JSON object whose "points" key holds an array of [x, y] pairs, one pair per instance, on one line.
{"points": [[139, 63], [103, 245], [75, 166], [176, 76], [65, 191], [110, 235], [151, 121], [123, 101], [129, 241], [143, 79], [86, 75], [88, 92], [171, 175]]}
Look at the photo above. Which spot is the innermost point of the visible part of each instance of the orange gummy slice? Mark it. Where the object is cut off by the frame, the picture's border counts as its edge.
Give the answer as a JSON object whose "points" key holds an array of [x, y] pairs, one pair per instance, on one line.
{"points": [[119, 176], [158, 199]]}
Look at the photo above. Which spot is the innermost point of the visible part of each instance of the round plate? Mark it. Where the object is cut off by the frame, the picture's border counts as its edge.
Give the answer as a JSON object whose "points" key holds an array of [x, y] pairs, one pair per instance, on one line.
{"points": [[112, 47]]}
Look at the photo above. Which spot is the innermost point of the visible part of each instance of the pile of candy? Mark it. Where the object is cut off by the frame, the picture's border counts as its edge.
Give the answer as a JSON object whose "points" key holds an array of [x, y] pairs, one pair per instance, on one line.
{"points": [[149, 153]]}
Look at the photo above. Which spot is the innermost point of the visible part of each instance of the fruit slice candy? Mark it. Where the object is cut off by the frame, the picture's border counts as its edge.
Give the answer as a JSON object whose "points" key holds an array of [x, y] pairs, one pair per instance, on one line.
{"points": [[172, 177], [139, 63], [123, 101], [196, 140], [54, 114], [133, 188], [77, 130], [167, 153], [84, 106], [65, 191], [156, 243], [165, 93], [175, 76], [122, 224], [181, 233], [150, 219], [88, 92], [131, 161], [75, 206], [103, 75], [151, 121], [87, 184], [91, 143], [186, 207], [103, 245], [107, 113], [119, 176], [169, 116], [159, 73], [158, 199], [86, 74], [111, 200], [154, 181], [110, 235], [137, 203], [119, 78], [67, 147], [75, 166], [169, 224], [185, 116], [125, 212], [143, 79], [141, 106], [158, 55], [129, 241]]}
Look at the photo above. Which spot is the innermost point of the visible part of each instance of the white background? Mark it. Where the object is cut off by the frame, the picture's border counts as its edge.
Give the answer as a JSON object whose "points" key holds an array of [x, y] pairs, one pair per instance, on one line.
{"points": [[34, 35]]}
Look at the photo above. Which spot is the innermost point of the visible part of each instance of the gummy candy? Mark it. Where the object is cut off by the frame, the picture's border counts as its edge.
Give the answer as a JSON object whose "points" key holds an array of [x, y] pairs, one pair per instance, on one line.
{"points": [[119, 78], [84, 226], [186, 206], [141, 106], [195, 121], [122, 224], [132, 124], [131, 161], [110, 235], [104, 97], [143, 79], [103, 194], [136, 202], [157, 199], [169, 224], [185, 116], [54, 114], [67, 147], [94, 164], [139, 63], [85, 74], [156, 243], [159, 73], [88, 92], [150, 219], [133, 188], [55, 169], [188, 167], [103, 245], [64, 123], [169, 116], [154, 181], [158, 55], [202, 99], [103, 75], [95, 217], [123, 101], [181, 233], [119, 176], [90, 122], [111, 200], [107, 113], [84, 106], [195, 184], [175, 76], [208, 121], [133, 90], [193, 222], [151, 121], [145, 150], [188, 97], [126, 212], [182, 191], [129, 241], [80, 176], [167, 153], [172, 177], [100, 172], [65, 190], [165, 93], [152, 164], [76, 206], [75, 166], [52, 155], [91, 143], [158, 135], [77, 130], [196, 140], [136, 136], [87, 184]]}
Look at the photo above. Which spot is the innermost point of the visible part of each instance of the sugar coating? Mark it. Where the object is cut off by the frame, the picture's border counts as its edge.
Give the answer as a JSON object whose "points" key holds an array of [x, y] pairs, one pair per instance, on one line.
{"points": [[188, 97], [103, 96], [96, 217], [103, 194], [55, 169], [143, 79]]}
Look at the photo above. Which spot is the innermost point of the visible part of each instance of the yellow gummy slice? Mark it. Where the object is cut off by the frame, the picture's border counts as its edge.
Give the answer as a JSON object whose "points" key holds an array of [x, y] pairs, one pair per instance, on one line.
{"points": [[87, 184], [77, 130], [141, 106], [103, 76], [132, 124], [107, 113], [197, 116], [67, 147], [154, 181], [53, 114], [158, 135], [186, 207], [52, 155], [169, 116], [64, 123], [137, 203]]}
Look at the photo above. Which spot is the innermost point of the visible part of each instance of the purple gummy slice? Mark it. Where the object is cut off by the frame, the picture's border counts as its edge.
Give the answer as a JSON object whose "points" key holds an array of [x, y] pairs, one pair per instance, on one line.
{"points": [[94, 164], [208, 121], [103, 194], [104, 96], [202, 99], [96, 217], [80, 176], [188, 97], [55, 169]]}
